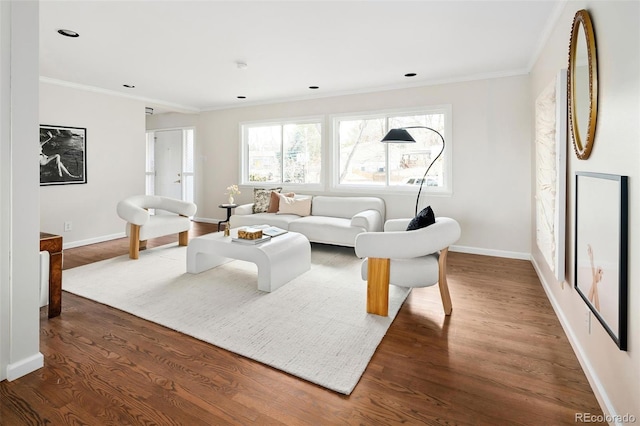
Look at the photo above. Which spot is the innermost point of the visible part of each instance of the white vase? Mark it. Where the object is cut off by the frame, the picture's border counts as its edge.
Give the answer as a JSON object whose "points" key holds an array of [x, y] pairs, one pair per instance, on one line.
{"points": [[230, 199]]}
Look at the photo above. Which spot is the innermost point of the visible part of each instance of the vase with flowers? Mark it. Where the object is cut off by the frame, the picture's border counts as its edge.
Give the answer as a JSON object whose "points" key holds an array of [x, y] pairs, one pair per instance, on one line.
{"points": [[231, 191]]}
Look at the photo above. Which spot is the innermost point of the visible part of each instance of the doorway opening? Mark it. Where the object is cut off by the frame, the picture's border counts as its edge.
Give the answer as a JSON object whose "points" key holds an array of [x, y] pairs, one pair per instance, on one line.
{"points": [[170, 163]]}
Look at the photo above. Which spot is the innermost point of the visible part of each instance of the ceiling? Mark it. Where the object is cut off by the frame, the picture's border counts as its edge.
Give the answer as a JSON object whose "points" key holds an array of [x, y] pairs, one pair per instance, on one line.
{"points": [[183, 55]]}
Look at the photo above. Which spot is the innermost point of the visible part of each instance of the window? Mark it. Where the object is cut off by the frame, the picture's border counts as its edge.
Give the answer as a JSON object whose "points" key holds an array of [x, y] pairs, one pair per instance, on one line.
{"points": [[363, 161], [280, 153]]}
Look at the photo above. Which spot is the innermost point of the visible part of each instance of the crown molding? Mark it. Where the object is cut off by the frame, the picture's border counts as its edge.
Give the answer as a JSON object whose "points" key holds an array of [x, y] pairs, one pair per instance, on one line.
{"points": [[151, 102]]}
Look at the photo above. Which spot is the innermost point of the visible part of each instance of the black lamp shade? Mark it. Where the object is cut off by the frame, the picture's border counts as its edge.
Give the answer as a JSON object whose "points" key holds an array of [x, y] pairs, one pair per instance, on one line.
{"points": [[398, 136]]}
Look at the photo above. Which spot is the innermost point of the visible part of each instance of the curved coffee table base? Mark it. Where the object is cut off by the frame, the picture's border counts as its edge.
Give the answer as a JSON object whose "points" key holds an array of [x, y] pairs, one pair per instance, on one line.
{"points": [[279, 260]]}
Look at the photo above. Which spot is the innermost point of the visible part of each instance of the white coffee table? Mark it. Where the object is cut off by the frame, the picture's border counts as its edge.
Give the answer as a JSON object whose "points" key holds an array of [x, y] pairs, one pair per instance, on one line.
{"points": [[279, 260]]}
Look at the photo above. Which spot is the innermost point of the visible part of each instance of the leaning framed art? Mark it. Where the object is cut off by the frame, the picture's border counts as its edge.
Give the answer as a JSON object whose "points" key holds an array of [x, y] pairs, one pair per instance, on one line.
{"points": [[551, 171], [63, 155], [601, 249]]}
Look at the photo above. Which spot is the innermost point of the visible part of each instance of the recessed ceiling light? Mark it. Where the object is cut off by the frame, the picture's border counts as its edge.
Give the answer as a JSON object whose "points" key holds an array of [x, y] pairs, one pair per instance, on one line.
{"points": [[314, 87], [242, 97], [410, 74], [68, 33]]}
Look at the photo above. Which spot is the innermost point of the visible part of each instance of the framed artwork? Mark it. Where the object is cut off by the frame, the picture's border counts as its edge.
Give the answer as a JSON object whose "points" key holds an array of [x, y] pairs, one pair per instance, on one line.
{"points": [[63, 155], [551, 173], [601, 241]]}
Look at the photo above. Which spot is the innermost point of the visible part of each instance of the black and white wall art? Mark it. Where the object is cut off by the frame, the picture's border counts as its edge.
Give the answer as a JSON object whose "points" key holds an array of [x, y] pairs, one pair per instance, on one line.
{"points": [[63, 155]]}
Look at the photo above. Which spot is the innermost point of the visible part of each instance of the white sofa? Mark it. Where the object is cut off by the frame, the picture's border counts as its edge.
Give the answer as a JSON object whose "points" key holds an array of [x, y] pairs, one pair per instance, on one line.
{"points": [[333, 220]]}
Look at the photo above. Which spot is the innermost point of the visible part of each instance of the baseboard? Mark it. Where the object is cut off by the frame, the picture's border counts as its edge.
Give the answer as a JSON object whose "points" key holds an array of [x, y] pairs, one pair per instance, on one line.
{"points": [[25, 366], [491, 252], [95, 240], [206, 220], [592, 377]]}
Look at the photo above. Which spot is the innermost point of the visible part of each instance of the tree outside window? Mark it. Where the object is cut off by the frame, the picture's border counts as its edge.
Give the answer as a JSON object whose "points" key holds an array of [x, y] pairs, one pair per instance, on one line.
{"points": [[364, 161], [288, 153]]}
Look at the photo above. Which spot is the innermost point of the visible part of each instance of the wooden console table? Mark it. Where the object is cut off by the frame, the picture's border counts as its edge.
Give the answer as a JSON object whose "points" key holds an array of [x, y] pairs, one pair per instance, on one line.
{"points": [[53, 244]]}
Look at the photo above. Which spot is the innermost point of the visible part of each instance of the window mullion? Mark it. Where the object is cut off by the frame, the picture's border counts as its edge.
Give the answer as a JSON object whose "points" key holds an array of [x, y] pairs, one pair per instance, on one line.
{"points": [[281, 153], [386, 152]]}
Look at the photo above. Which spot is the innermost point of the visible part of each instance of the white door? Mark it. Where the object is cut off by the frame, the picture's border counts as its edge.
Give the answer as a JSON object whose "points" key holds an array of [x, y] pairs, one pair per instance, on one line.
{"points": [[168, 163]]}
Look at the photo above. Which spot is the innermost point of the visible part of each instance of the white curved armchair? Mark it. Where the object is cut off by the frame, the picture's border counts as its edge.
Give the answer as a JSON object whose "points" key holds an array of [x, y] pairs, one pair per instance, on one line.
{"points": [[141, 225], [406, 259]]}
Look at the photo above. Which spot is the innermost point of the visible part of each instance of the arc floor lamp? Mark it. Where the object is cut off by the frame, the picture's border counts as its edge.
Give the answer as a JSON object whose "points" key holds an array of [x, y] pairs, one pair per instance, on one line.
{"points": [[400, 135]]}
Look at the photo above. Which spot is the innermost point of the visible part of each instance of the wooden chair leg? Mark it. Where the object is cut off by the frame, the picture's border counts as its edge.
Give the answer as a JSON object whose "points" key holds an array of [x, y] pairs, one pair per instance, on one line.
{"points": [[134, 241], [442, 282], [183, 238], [378, 271], [143, 245]]}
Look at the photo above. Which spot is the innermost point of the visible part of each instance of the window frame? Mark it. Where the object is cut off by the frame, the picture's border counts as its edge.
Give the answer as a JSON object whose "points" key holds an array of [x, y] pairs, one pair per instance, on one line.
{"points": [[446, 189], [244, 152]]}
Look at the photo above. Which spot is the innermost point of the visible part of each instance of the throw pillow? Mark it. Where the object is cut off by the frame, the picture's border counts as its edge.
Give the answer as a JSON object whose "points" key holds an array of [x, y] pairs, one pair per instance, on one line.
{"points": [[297, 206], [425, 218], [261, 199], [274, 201]]}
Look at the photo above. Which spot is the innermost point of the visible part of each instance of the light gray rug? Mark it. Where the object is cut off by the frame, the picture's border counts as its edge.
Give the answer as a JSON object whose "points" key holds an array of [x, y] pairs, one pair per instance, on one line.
{"points": [[315, 327]]}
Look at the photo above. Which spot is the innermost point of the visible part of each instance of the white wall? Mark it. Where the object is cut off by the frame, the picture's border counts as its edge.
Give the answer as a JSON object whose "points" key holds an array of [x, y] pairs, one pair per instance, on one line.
{"points": [[491, 145], [115, 149], [19, 286], [614, 374]]}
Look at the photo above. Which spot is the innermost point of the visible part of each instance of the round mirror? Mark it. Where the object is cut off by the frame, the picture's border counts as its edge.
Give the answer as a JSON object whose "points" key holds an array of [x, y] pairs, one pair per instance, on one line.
{"points": [[582, 84]]}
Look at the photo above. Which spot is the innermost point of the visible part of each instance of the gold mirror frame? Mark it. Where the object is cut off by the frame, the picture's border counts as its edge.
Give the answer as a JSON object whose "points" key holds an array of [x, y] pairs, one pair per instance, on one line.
{"points": [[582, 22]]}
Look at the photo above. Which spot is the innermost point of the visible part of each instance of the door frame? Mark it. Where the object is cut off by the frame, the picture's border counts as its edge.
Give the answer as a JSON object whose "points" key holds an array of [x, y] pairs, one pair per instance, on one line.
{"points": [[186, 195]]}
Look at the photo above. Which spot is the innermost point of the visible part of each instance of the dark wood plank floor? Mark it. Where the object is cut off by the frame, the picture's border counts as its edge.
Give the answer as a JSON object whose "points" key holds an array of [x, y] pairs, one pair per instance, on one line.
{"points": [[500, 359]]}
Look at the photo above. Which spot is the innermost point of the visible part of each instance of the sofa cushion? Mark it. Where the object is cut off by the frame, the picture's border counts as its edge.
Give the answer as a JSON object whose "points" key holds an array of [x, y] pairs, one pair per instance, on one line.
{"points": [[261, 198], [297, 206], [425, 218], [345, 207], [280, 220], [274, 201], [327, 230]]}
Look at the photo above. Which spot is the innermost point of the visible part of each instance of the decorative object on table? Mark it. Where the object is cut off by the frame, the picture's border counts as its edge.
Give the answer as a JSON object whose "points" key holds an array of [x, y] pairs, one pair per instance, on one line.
{"points": [[401, 135], [227, 229], [551, 171], [601, 244], [231, 191], [583, 84], [63, 158], [271, 231], [249, 233], [251, 240]]}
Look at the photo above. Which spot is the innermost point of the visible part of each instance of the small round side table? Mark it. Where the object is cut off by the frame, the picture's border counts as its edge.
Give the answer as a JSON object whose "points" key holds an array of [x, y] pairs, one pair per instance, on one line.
{"points": [[228, 207]]}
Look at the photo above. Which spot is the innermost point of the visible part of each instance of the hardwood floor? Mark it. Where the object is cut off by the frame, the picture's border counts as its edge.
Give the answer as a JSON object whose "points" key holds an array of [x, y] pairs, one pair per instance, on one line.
{"points": [[501, 358]]}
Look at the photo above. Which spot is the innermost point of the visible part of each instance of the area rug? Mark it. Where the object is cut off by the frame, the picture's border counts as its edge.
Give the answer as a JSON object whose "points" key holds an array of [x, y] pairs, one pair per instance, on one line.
{"points": [[314, 327]]}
